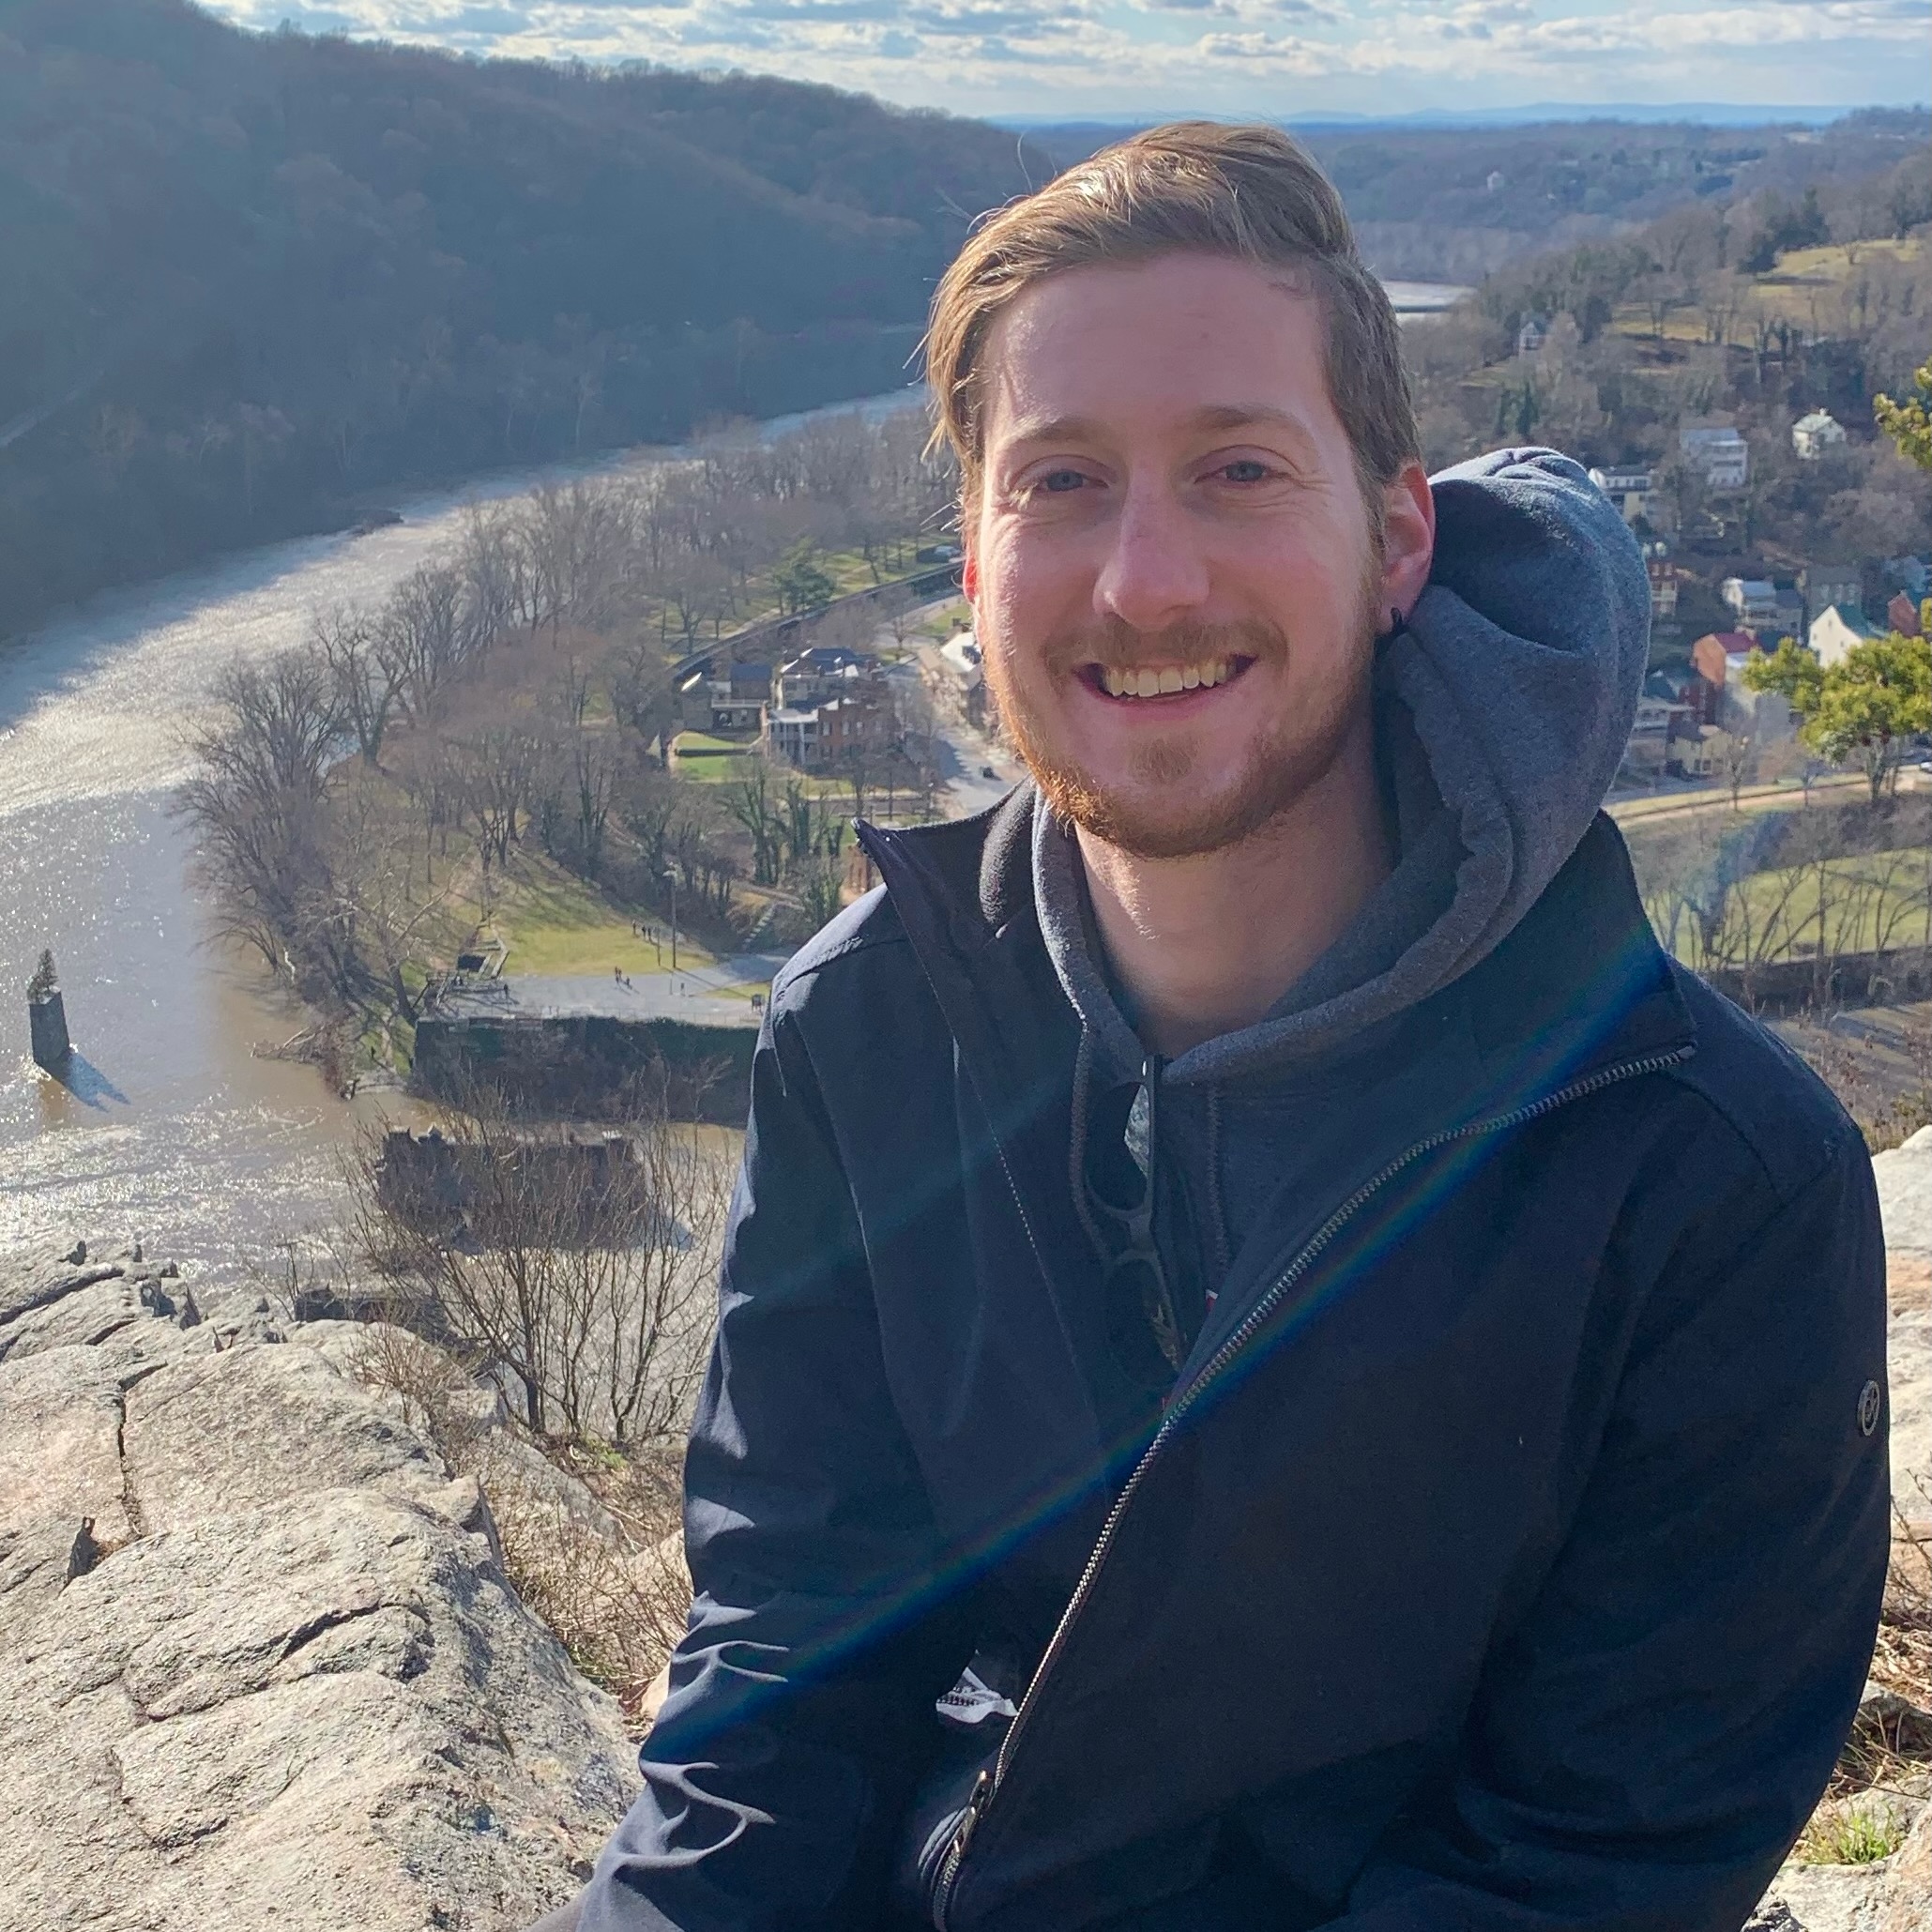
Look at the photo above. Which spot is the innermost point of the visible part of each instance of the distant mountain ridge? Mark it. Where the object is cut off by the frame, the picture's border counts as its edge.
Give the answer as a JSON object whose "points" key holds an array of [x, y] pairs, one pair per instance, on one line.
{"points": [[1709, 114]]}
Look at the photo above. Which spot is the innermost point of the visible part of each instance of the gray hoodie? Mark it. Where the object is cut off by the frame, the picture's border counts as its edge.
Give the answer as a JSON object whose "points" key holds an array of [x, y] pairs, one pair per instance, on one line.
{"points": [[1502, 710]]}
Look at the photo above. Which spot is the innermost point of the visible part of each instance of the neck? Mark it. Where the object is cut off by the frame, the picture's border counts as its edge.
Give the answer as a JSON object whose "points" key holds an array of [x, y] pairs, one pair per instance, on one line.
{"points": [[1207, 944]]}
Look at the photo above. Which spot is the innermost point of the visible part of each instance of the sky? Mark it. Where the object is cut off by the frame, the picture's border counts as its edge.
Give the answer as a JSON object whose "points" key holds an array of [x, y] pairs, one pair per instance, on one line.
{"points": [[1280, 59]]}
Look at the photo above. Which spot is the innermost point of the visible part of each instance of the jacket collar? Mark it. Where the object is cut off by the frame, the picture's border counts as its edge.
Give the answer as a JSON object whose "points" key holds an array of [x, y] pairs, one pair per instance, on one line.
{"points": [[1580, 984]]}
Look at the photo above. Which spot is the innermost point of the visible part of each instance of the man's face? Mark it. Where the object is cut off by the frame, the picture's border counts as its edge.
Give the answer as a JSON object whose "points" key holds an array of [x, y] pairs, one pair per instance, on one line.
{"points": [[1175, 580]]}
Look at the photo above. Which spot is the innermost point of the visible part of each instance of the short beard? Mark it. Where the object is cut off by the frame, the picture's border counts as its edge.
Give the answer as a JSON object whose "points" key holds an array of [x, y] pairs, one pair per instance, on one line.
{"points": [[1161, 822]]}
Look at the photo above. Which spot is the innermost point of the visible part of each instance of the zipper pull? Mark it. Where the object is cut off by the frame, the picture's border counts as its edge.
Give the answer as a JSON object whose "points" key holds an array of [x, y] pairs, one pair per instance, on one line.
{"points": [[969, 1821], [956, 1852]]}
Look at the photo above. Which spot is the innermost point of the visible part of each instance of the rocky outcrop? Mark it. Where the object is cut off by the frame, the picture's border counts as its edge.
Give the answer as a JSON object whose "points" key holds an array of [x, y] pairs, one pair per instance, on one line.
{"points": [[1905, 1199], [1894, 1894], [262, 1663]]}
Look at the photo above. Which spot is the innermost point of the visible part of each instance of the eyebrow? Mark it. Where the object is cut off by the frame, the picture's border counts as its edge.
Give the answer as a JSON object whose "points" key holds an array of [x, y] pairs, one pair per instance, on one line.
{"points": [[1215, 415]]}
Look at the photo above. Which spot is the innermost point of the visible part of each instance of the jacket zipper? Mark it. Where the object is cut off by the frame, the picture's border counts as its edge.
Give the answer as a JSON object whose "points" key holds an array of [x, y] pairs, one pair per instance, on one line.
{"points": [[987, 1786]]}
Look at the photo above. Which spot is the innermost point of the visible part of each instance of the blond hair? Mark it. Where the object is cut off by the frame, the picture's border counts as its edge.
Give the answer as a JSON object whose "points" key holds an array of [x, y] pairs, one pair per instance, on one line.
{"points": [[1252, 193]]}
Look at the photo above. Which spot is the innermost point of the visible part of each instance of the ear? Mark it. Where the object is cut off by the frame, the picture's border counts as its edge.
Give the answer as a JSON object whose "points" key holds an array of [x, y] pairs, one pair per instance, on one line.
{"points": [[1408, 538], [969, 569]]}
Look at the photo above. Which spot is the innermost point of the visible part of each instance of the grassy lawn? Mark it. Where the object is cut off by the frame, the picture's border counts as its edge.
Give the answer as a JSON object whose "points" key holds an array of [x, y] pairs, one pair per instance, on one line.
{"points": [[704, 747], [759, 603], [947, 622], [1794, 289], [1871, 901], [1823, 266], [707, 760], [553, 922]]}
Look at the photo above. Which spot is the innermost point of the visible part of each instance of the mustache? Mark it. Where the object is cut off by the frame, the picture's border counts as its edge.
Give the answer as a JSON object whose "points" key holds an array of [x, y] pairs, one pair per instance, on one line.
{"points": [[1113, 641]]}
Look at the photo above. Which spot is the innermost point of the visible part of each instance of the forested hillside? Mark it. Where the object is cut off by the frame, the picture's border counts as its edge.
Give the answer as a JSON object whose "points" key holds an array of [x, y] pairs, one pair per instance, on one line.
{"points": [[1452, 204], [252, 282], [1753, 309]]}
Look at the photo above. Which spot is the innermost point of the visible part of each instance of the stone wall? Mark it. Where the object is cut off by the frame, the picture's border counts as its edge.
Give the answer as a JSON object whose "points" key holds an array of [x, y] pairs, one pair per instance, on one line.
{"points": [[577, 1065], [1853, 979]]}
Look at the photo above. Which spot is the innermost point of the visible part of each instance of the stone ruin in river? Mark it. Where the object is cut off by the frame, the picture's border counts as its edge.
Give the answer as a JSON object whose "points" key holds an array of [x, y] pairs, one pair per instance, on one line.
{"points": [[47, 1017]]}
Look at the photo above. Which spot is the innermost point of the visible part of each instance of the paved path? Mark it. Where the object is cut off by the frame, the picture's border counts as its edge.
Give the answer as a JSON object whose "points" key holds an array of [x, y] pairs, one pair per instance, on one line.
{"points": [[716, 994]]}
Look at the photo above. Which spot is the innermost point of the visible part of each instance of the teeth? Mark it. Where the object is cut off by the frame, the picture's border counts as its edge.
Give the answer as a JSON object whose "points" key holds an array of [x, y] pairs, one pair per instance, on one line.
{"points": [[1148, 682]]}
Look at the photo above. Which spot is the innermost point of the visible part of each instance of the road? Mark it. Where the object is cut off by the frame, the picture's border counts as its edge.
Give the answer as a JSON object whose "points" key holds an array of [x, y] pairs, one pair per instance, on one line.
{"points": [[965, 755]]}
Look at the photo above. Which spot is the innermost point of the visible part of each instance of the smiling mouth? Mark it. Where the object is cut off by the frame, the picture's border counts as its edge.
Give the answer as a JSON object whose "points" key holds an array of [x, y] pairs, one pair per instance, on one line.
{"points": [[1142, 681]]}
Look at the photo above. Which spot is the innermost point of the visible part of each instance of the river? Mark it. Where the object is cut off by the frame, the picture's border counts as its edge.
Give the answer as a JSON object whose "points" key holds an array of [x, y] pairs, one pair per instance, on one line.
{"points": [[170, 1125]]}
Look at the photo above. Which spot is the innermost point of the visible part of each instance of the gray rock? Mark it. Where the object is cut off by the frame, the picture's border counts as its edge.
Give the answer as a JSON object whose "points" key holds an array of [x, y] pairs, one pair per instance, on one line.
{"points": [[1905, 1905], [1893, 1721], [37, 1561], [263, 1667], [36, 1282], [60, 1459], [83, 1317], [255, 1424], [328, 1711], [1909, 1353], [1904, 1176], [1831, 1899]]}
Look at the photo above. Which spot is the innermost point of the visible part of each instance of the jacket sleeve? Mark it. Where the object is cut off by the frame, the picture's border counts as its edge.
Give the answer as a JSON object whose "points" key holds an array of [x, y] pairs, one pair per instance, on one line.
{"points": [[1649, 1741], [818, 1639]]}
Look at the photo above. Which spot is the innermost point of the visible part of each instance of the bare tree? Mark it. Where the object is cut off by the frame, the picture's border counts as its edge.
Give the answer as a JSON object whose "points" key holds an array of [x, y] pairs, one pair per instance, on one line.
{"points": [[577, 1273], [256, 801], [368, 676], [751, 803]]}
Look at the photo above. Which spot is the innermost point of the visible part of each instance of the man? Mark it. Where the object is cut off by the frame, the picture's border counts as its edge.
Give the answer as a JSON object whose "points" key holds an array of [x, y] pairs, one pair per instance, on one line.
{"points": [[1279, 1364]]}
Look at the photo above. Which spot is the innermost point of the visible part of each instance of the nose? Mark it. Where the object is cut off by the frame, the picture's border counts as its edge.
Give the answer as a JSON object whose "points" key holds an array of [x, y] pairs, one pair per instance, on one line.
{"points": [[1155, 573]]}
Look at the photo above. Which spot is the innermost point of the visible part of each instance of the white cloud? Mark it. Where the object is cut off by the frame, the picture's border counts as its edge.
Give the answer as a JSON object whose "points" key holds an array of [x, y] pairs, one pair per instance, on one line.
{"points": [[1273, 56]]}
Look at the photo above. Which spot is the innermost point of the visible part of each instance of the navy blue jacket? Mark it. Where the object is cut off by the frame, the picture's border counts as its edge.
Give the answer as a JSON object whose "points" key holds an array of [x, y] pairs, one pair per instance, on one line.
{"points": [[1508, 1554]]}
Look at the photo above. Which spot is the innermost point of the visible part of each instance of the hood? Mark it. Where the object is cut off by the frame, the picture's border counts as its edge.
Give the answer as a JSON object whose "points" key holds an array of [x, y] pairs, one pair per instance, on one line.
{"points": [[1503, 707]]}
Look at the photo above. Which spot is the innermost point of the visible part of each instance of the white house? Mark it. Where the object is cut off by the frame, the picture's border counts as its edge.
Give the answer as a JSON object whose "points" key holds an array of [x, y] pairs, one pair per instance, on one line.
{"points": [[1834, 632], [1812, 434], [1721, 455], [1755, 600], [960, 656], [1628, 489], [794, 735], [1529, 337], [1658, 737]]}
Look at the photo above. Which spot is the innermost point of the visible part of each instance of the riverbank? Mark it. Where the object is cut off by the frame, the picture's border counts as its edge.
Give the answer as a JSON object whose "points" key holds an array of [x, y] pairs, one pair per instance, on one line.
{"points": [[170, 1123]]}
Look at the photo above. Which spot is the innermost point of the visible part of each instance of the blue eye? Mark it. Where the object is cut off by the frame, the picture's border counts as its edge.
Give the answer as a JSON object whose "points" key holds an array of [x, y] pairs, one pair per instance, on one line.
{"points": [[1061, 481], [1246, 470]]}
